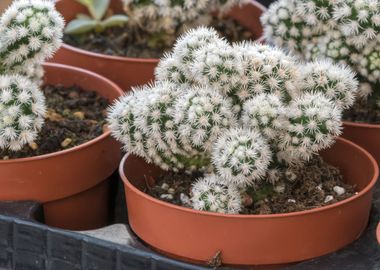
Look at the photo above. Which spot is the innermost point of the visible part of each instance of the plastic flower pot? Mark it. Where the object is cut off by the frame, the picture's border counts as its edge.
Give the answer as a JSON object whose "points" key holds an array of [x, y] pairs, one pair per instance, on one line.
{"points": [[253, 239], [116, 68], [365, 135], [4, 4], [72, 184]]}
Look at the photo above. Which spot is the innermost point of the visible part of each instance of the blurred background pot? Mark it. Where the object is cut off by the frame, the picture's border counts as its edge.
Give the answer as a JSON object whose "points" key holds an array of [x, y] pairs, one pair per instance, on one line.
{"points": [[365, 135], [126, 71]]}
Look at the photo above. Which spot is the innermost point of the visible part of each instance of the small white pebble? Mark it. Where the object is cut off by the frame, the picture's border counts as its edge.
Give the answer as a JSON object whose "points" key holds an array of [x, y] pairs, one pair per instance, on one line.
{"points": [[319, 187], [185, 199], [167, 196], [339, 190], [292, 201], [171, 190], [165, 186], [291, 176], [280, 188], [329, 198]]}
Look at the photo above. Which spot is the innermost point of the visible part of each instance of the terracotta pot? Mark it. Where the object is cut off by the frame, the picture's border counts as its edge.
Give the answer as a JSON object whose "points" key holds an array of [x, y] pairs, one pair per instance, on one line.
{"points": [[4, 4], [72, 184], [125, 71], [378, 233], [253, 239], [365, 135]]}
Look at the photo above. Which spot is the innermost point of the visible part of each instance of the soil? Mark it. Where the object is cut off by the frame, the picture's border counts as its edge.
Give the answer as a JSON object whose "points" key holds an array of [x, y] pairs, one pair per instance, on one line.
{"points": [[122, 41], [74, 116], [363, 112], [314, 183]]}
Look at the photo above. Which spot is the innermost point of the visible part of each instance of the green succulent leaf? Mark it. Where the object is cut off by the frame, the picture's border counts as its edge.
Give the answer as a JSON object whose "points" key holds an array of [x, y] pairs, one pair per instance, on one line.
{"points": [[86, 3], [80, 26], [115, 20], [99, 8], [83, 16]]}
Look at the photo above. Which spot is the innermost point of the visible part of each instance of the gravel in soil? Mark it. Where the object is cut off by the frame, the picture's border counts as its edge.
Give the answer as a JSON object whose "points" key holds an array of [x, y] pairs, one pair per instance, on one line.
{"points": [[122, 41], [315, 184], [363, 112], [74, 116]]}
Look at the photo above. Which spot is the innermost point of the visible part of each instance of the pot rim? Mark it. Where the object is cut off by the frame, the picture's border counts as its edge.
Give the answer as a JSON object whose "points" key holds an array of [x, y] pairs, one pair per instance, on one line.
{"points": [[85, 145], [361, 125], [143, 60], [269, 216]]}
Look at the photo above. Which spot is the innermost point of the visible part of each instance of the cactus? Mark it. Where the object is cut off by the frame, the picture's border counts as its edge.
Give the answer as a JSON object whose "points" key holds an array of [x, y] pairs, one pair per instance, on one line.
{"points": [[344, 32], [201, 115], [265, 112], [175, 67], [167, 17], [212, 194], [241, 156], [314, 121], [245, 113], [336, 82], [22, 107], [30, 32]]}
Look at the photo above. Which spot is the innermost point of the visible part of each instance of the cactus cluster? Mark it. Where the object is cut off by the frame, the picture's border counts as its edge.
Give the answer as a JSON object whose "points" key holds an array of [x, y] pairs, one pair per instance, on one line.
{"points": [[155, 16], [30, 32], [241, 113], [342, 31]]}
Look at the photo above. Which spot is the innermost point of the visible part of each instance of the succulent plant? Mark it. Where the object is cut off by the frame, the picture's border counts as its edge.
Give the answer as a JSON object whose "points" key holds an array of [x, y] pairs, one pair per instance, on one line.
{"points": [[243, 112], [96, 20], [175, 67], [201, 115], [30, 32], [314, 121], [344, 32], [22, 109], [162, 17], [266, 113], [241, 156], [212, 194]]}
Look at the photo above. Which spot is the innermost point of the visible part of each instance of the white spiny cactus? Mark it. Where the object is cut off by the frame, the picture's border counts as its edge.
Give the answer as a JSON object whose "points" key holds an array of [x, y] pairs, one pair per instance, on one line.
{"points": [[175, 67], [314, 121], [368, 61], [143, 122], [358, 20], [266, 113], [217, 65], [211, 193], [336, 82], [267, 70], [202, 115], [22, 109], [30, 32], [247, 111], [241, 156], [345, 32], [155, 16]]}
